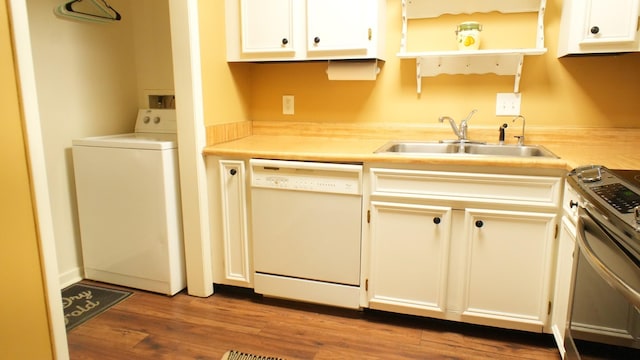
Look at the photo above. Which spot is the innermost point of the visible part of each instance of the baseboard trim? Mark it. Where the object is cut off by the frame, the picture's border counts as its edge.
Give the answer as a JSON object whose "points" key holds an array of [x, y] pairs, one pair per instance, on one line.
{"points": [[70, 277]]}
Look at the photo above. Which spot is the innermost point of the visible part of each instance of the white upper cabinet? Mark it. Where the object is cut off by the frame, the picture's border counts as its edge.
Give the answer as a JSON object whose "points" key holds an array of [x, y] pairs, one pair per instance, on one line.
{"points": [[501, 61], [287, 30], [599, 26], [261, 34], [338, 25]]}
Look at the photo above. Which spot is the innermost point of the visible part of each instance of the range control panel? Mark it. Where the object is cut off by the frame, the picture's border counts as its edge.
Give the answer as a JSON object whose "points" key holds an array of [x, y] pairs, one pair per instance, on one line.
{"points": [[619, 196], [616, 196], [305, 176]]}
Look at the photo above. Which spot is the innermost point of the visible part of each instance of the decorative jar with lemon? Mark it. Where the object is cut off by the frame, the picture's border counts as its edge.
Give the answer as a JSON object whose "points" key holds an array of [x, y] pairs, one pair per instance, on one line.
{"points": [[468, 35]]}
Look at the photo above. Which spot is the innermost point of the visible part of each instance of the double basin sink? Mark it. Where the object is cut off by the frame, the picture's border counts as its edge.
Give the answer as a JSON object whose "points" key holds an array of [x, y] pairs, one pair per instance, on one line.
{"points": [[463, 148]]}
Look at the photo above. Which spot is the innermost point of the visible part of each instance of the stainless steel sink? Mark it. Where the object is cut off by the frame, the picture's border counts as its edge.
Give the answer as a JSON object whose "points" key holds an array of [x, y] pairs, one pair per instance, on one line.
{"points": [[419, 148], [480, 149]]}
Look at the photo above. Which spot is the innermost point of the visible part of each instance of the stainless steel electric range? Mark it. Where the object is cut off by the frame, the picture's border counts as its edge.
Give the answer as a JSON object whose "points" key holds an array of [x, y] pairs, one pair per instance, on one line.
{"points": [[604, 309]]}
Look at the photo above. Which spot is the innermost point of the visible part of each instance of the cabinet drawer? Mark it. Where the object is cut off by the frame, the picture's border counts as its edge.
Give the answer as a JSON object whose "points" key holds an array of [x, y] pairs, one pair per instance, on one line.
{"points": [[520, 189]]}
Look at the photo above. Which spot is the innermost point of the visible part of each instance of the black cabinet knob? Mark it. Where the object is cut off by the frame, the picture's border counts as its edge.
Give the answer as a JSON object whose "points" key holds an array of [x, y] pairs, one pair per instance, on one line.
{"points": [[436, 220], [316, 40], [233, 172], [479, 223], [285, 41], [573, 203], [594, 30]]}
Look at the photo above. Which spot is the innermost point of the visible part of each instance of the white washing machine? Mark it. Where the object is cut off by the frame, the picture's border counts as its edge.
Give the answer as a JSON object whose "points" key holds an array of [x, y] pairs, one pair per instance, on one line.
{"points": [[129, 210]]}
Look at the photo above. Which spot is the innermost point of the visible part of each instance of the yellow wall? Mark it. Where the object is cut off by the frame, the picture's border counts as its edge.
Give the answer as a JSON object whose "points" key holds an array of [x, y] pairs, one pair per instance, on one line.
{"points": [[24, 333], [225, 86], [589, 91]]}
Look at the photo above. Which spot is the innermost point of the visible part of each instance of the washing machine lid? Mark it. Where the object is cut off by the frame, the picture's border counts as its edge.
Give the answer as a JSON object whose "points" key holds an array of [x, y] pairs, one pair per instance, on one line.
{"points": [[149, 141]]}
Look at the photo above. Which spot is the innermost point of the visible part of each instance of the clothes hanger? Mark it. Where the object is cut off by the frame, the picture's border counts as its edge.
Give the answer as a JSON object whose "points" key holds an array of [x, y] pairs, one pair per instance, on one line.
{"points": [[106, 12]]}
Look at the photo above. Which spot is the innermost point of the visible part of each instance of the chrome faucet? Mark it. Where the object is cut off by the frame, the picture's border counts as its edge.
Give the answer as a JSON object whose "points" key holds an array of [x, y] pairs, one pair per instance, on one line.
{"points": [[461, 131], [521, 136]]}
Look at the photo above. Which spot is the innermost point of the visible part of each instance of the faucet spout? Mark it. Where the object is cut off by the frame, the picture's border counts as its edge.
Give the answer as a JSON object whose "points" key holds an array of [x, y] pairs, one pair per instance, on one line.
{"points": [[520, 137], [454, 127]]}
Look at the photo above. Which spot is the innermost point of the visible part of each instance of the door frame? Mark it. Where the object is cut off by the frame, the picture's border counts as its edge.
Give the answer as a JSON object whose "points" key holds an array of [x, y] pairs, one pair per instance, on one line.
{"points": [[191, 133]]}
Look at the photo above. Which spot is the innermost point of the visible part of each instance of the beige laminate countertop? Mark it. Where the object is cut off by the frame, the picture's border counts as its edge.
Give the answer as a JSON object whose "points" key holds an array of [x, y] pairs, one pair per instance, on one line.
{"points": [[615, 156], [615, 149]]}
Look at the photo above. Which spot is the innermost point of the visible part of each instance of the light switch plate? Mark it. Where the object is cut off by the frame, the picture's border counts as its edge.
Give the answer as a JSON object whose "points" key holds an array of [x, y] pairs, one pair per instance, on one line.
{"points": [[508, 104]]}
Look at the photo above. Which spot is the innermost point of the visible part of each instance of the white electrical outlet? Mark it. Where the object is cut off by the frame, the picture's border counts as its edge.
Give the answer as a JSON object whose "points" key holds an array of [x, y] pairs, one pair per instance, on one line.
{"points": [[287, 105], [508, 104]]}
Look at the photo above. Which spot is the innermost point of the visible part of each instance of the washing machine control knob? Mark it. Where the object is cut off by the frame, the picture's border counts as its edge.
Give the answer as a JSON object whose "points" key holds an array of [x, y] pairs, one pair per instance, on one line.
{"points": [[156, 120], [146, 119]]}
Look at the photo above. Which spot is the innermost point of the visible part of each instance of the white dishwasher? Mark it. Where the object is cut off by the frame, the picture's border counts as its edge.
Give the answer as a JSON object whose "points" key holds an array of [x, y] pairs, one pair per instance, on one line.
{"points": [[306, 225]]}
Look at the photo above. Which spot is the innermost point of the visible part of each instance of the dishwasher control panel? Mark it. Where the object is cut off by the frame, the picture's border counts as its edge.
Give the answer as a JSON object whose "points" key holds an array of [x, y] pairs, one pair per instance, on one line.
{"points": [[307, 176]]}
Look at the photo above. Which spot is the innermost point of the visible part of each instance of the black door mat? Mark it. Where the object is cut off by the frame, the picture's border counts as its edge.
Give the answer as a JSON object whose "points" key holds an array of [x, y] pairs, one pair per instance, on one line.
{"points": [[82, 302]]}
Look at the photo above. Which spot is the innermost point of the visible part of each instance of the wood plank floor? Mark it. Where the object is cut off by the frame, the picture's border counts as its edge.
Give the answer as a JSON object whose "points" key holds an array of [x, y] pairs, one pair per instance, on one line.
{"points": [[152, 326]]}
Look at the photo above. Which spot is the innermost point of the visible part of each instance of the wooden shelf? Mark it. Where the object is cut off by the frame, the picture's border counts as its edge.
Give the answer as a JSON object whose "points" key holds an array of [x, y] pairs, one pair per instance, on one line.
{"points": [[498, 61], [485, 61]]}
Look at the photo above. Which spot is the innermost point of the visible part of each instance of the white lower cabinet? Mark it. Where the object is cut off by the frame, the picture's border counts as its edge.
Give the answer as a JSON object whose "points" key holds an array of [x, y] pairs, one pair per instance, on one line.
{"points": [[230, 240], [463, 246], [469, 247], [409, 258], [563, 283], [564, 268], [508, 268]]}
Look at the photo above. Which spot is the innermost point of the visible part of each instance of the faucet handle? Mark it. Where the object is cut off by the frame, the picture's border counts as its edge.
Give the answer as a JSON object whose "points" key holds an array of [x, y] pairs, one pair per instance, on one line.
{"points": [[470, 115], [520, 139]]}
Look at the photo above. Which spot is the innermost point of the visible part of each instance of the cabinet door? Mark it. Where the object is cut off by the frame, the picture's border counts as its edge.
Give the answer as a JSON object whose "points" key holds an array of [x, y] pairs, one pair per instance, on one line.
{"points": [[338, 26], [409, 257], [508, 268], [267, 26], [234, 223], [564, 266], [610, 22]]}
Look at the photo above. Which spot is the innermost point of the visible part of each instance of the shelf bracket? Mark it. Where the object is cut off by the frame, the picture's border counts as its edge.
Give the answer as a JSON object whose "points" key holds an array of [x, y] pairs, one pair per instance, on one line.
{"points": [[403, 36], [518, 74], [540, 29], [419, 75]]}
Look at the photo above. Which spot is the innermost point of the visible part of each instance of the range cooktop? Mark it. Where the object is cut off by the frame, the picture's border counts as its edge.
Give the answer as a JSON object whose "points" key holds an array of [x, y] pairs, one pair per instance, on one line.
{"points": [[632, 176]]}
